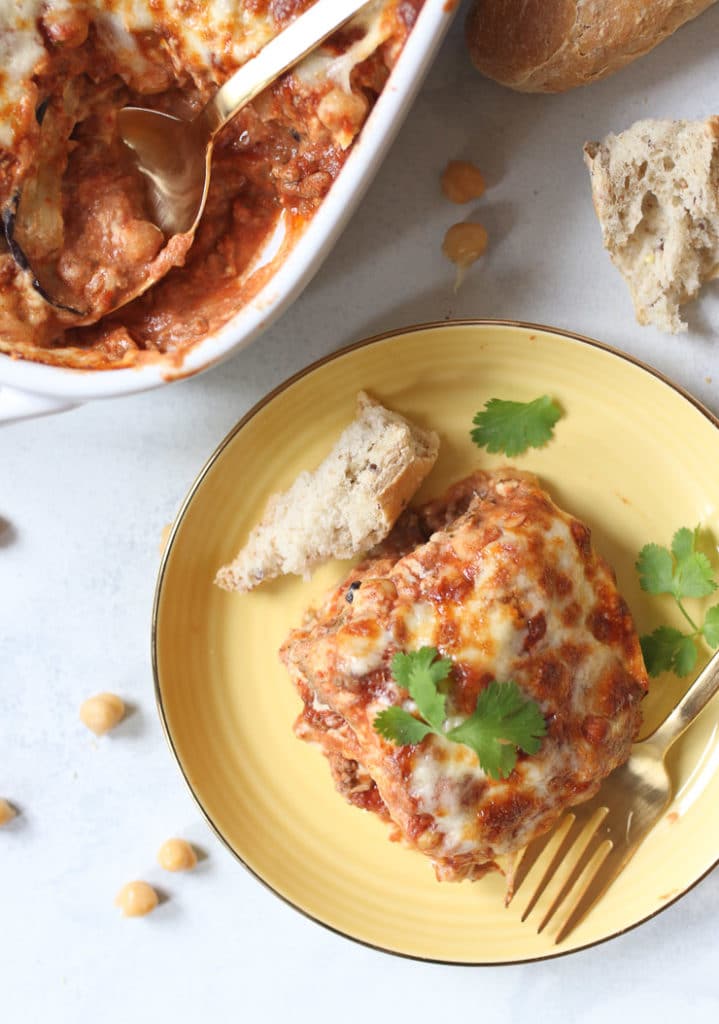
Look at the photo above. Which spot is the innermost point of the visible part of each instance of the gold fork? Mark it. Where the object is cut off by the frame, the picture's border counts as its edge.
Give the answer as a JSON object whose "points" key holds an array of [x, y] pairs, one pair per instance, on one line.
{"points": [[591, 845]]}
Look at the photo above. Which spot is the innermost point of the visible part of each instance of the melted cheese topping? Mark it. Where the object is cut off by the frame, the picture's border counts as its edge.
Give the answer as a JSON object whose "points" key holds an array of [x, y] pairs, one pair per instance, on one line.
{"points": [[207, 40], [324, 65], [363, 653], [21, 50], [488, 639], [201, 39], [437, 785]]}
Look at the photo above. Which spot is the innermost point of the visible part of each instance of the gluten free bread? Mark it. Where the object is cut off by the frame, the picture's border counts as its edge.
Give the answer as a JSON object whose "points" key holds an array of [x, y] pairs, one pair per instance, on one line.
{"points": [[345, 506], [553, 45], [656, 193]]}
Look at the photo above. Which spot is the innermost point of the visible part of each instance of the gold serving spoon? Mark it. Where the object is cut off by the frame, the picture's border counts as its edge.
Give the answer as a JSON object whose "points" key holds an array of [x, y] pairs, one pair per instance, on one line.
{"points": [[175, 156]]}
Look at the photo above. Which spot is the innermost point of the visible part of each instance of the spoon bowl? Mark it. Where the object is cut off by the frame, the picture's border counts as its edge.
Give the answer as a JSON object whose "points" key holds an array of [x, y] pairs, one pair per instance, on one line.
{"points": [[174, 156]]}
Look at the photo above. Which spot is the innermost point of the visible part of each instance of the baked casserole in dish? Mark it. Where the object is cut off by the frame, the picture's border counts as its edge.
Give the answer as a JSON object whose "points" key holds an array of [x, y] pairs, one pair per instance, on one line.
{"points": [[74, 208]]}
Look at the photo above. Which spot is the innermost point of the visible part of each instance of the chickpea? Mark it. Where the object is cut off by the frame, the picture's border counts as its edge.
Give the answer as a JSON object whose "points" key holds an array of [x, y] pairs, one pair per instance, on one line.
{"points": [[464, 244], [7, 812], [136, 899], [461, 181], [176, 855], [102, 712]]}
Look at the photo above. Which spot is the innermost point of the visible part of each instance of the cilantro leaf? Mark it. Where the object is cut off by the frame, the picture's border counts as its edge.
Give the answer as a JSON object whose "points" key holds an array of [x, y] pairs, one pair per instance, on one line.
{"points": [[656, 570], [683, 542], [513, 427], [502, 721], [682, 572], [400, 727], [710, 629], [686, 657], [668, 650], [694, 576], [420, 672]]}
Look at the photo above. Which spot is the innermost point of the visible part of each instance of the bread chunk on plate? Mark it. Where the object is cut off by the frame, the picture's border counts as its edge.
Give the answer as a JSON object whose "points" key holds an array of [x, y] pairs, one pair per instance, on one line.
{"points": [[345, 506], [656, 193]]}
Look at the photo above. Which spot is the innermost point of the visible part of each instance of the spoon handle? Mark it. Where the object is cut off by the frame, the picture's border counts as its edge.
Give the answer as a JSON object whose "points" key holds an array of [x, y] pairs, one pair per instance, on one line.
{"points": [[286, 49], [699, 693]]}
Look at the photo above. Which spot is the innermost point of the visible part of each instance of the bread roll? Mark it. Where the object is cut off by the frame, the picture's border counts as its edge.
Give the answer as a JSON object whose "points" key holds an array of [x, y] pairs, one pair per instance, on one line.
{"points": [[554, 45]]}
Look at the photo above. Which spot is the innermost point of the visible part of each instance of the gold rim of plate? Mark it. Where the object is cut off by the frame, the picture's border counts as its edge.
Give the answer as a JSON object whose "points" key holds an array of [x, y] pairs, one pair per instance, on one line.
{"points": [[628, 458]]}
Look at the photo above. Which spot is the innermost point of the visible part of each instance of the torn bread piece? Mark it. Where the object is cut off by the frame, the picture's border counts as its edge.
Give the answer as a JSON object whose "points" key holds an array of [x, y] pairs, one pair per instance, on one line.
{"points": [[656, 193], [345, 506]]}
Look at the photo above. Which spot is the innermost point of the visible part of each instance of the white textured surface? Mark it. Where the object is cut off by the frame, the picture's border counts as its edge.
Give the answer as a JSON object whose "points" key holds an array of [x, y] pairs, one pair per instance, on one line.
{"points": [[84, 498]]}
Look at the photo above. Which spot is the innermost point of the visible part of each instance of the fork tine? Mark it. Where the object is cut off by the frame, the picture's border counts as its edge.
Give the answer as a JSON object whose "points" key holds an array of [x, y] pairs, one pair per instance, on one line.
{"points": [[588, 888], [574, 861], [550, 848], [526, 859], [606, 872]]}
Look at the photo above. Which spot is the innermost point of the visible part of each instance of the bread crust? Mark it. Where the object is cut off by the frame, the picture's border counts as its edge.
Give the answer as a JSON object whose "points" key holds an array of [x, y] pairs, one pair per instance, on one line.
{"points": [[395, 499], [555, 45]]}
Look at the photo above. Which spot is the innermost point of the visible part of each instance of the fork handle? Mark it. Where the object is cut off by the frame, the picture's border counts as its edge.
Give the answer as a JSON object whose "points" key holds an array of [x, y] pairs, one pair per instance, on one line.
{"points": [[286, 49], [699, 693]]}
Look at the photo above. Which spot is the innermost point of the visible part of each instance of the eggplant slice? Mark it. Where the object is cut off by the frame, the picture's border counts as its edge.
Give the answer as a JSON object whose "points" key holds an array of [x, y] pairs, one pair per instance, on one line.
{"points": [[9, 220]]}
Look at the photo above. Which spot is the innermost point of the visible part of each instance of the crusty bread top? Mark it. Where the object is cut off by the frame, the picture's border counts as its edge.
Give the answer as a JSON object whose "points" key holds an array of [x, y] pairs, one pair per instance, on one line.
{"points": [[656, 193], [554, 45], [345, 506]]}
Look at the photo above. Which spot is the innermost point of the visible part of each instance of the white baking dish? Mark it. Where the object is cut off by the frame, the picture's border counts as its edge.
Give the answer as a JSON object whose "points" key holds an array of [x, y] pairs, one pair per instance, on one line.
{"points": [[33, 389]]}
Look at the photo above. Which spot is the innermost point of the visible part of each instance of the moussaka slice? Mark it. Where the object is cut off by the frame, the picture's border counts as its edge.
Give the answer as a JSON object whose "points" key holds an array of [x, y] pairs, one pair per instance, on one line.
{"points": [[508, 588]]}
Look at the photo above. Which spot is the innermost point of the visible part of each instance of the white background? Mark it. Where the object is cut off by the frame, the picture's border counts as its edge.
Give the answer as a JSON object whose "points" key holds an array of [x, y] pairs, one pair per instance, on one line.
{"points": [[85, 496]]}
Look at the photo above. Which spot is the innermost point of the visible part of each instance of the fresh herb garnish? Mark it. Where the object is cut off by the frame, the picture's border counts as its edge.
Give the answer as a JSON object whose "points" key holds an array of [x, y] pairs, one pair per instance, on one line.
{"points": [[502, 722], [513, 427], [682, 572]]}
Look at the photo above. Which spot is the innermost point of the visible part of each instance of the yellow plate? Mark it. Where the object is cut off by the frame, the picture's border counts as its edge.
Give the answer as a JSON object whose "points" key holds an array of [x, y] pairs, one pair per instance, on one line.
{"points": [[632, 456]]}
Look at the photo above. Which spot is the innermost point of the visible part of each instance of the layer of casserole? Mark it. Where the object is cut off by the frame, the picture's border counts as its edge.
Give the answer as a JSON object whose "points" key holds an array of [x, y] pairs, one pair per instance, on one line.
{"points": [[74, 207], [509, 587]]}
